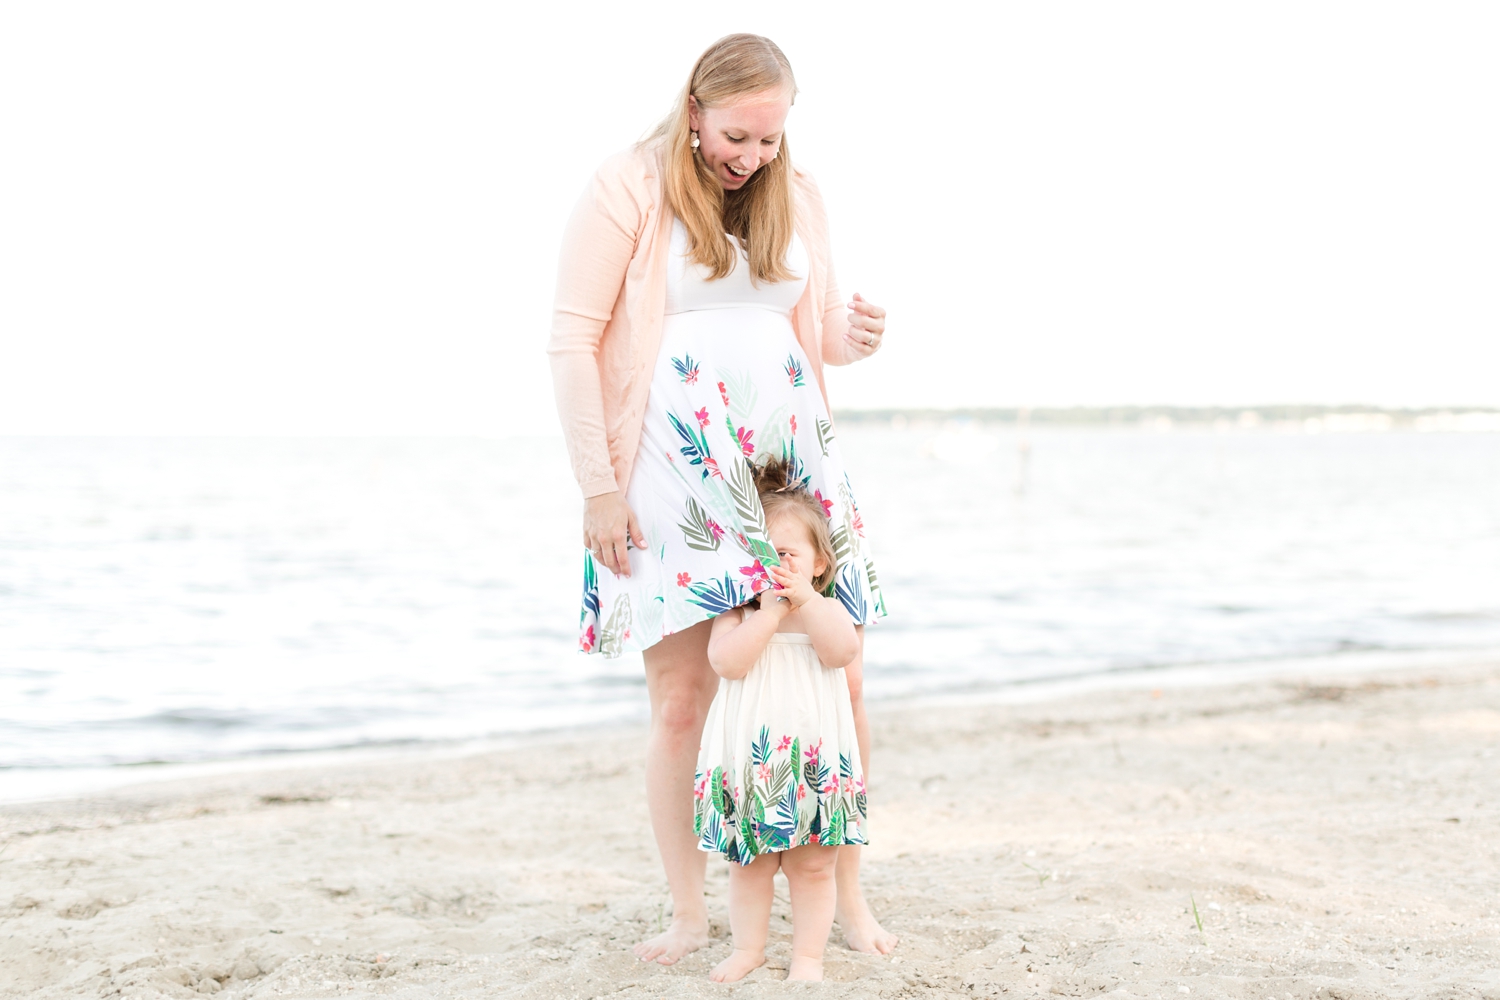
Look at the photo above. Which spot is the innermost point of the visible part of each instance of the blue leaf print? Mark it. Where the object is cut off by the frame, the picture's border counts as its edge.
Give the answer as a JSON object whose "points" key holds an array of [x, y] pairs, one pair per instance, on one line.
{"points": [[785, 827], [851, 592], [798, 469], [794, 372], [718, 596], [713, 834], [696, 449], [590, 586], [760, 750], [687, 369]]}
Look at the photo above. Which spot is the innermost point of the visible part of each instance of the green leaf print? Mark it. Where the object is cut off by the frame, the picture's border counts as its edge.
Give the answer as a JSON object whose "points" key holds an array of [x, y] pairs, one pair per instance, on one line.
{"points": [[741, 483], [774, 431], [700, 531], [875, 591], [780, 775], [825, 434], [743, 395], [716, 790], [841, 550], [836, 825], [616, 630]]}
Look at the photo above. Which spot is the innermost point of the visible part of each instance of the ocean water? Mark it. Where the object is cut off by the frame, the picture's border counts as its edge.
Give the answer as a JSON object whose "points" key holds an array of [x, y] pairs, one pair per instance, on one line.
{"points": [[199, 599]]}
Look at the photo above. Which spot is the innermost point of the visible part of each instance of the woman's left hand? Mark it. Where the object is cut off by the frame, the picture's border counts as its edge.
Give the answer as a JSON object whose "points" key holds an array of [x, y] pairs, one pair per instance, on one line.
{"points": [[866, 327]]}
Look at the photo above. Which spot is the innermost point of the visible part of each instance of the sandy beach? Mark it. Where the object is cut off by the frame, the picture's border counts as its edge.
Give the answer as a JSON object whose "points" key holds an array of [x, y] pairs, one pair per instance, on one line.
{"points": [[1337, 837]]}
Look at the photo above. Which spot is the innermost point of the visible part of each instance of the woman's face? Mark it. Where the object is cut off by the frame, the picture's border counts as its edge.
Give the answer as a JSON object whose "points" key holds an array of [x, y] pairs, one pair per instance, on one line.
{"points": [[794, 547], [736, 140]]}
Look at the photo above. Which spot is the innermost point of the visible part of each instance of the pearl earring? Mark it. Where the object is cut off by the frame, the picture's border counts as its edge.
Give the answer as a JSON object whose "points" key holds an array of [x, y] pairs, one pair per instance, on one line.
{"points": [[694, 141]]}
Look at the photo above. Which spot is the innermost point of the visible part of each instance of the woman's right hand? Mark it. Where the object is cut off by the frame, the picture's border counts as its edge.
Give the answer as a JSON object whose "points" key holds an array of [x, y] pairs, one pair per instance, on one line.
{"points": [[608, 522]]}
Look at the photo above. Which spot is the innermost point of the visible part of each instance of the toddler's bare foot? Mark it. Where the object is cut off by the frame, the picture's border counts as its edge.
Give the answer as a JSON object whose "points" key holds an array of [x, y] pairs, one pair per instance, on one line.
{"points": [[673, 943], [862, 932], [805, 970], [738, 965]]}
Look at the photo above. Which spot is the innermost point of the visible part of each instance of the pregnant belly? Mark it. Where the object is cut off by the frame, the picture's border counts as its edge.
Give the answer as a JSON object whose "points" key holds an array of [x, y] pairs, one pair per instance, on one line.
{"points": [[745, 341]]}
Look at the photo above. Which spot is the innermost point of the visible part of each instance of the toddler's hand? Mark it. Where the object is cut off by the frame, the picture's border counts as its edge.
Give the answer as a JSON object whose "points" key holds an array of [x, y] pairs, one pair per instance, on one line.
{"points": [[794, 588]]}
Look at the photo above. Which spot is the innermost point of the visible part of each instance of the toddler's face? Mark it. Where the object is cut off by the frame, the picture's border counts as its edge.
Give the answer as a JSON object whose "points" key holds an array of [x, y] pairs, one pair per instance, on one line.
{"points": [[794, 547]]}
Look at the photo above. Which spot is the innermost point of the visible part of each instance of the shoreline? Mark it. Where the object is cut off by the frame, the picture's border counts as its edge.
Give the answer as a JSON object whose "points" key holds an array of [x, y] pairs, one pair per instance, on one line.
{"points": [[1335, 833], [22, 785]]}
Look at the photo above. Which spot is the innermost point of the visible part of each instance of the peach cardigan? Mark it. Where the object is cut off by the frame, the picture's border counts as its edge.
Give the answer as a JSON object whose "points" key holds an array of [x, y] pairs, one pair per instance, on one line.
{"points": [[611, 300]]}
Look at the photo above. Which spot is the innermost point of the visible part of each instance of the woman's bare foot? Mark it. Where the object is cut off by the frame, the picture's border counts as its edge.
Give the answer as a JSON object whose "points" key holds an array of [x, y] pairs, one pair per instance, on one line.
{"points": [[805, 970], [671, 944], [862, 932], [738, 965]]}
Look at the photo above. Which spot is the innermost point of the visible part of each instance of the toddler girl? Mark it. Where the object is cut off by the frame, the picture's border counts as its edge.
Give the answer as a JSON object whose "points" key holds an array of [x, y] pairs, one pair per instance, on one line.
{"points": [[780, 784]]}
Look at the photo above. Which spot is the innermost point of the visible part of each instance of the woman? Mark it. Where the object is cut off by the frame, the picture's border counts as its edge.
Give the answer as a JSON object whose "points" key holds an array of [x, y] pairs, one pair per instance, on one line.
{"points": [[695, 309]]}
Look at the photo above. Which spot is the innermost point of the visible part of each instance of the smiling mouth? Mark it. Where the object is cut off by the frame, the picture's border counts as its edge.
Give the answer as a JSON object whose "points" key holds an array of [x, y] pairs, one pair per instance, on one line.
{"points": [[738, 172]]}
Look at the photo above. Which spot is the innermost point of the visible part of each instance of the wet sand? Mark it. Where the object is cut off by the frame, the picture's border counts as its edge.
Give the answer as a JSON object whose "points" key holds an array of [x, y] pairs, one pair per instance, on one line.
{"points": [[1337, 837]]}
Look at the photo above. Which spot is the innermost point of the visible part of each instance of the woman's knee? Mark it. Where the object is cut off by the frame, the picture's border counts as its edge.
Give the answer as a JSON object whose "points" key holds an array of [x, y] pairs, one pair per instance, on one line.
{"points": [[680, 681], [681, 713]]}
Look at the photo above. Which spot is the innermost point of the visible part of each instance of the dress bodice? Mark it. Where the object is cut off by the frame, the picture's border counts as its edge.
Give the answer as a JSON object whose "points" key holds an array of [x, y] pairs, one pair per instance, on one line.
{"points": [[689, 288]]}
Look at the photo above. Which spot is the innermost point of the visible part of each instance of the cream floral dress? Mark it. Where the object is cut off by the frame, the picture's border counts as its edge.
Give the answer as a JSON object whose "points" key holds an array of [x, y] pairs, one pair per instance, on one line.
{"points": [[779, 763], [731, 384]]}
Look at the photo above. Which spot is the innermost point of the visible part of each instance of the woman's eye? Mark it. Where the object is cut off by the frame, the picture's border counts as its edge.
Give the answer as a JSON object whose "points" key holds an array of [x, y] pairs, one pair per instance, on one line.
{"points": [[736, 138]]}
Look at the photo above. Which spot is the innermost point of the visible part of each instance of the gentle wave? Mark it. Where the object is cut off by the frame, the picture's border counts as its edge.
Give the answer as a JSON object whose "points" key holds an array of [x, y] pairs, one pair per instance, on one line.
{"points": [[196, 599]]}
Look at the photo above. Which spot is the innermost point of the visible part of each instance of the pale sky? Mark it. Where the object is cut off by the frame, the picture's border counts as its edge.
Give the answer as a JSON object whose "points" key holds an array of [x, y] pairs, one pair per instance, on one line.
{"points": [[335, 218]]}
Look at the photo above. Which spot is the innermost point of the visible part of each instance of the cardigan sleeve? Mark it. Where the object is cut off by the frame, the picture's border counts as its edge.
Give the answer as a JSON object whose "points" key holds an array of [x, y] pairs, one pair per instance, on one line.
{"points": [[835, 324], [597, 246], [835, 314]]}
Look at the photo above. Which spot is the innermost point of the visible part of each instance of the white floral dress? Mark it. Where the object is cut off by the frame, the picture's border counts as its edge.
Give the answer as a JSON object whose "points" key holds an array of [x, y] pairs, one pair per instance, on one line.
{"points": [[731, 384], [779, 764]]}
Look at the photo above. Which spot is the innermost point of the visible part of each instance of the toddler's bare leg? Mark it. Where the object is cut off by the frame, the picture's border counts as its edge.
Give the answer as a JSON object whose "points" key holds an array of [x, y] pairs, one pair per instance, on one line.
{"points": [[809, 874], [750, 889], [862, 932]]}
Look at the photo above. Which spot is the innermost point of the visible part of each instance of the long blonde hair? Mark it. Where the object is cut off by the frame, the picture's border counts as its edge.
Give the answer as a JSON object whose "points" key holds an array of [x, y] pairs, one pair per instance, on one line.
{"points": [[759, 214]]}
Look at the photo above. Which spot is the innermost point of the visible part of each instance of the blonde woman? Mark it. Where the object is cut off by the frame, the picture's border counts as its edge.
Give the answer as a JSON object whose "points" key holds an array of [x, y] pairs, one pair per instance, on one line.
{"points": [[696, 307]]}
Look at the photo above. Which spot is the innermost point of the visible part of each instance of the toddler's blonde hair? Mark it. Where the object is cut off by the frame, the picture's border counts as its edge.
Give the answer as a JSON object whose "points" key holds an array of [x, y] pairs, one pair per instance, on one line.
{"points": [[783, 494]]}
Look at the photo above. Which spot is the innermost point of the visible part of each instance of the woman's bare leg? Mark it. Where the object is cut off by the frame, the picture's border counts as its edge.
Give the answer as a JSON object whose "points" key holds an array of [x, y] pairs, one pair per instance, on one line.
{"points": [[810, 876], [681, 685], [750, 890], [862, 932]]}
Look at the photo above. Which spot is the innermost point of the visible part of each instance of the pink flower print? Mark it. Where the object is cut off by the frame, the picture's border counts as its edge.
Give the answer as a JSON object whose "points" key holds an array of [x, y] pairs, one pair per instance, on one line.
{"points": [[715, 529], [759, 580], [786, 741], [859, 784], [858, 522], [812, 838], [794, 423], [813, 752], [702, 416], [831, 787], [723, 394], [626, 635], [700, 787], [801, 792], [683, 579], [586, 642], [763, 773], [849, 785], [746, 445], [827, 504], [712, 465]]}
